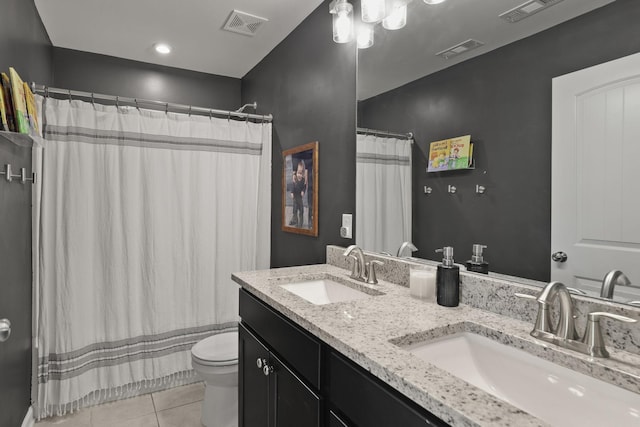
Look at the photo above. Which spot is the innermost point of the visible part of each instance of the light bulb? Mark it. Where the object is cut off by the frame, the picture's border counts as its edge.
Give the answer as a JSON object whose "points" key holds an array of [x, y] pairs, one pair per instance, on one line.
{"points": [[397, 19], [373, 10], [365, 36], [343, 23]]}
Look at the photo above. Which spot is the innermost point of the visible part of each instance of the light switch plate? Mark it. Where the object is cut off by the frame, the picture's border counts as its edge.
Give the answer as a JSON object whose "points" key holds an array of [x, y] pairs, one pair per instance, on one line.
{"points": [[346, 229]]}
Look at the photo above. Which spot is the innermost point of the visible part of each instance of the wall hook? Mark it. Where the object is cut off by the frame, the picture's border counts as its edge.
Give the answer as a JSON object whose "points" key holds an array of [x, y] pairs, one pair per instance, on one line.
{"points": [[451, 189], [480, 189]]}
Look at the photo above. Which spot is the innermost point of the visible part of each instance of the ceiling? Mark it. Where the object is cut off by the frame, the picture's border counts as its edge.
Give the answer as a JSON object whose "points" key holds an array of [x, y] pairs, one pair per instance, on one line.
{"points": [[129, 29], [401, 56]]}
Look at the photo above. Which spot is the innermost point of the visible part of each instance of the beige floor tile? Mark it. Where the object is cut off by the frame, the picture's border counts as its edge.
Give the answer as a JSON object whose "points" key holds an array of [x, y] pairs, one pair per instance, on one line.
{"points": [[122, 410], [78, 419], [182, 416], [145, 421], [178, 396]]}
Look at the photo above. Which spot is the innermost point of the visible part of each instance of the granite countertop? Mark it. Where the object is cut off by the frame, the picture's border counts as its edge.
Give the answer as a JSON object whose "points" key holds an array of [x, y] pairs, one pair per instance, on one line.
{"points": [[367, 330]]}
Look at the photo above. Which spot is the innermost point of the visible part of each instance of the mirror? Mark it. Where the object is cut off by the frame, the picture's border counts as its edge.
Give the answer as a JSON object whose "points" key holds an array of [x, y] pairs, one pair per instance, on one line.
{"points": [[499, 91]]}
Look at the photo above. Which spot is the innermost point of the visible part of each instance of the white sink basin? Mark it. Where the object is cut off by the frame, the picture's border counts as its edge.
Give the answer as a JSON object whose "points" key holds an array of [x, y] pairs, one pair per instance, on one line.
{"points": [[324, 291], [556, 395]]}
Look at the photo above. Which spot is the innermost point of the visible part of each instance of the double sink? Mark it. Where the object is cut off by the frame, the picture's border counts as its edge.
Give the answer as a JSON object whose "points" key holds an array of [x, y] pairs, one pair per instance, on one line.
{"points": [[550, 392]]}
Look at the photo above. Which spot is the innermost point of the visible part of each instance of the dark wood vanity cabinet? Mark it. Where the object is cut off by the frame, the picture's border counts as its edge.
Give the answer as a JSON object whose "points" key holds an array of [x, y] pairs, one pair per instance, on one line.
{"points": [[306, 383], [273, 390]]}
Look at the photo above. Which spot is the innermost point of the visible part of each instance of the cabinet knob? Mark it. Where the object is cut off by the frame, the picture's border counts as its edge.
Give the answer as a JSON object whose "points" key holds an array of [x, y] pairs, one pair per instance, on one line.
{"points": [[266, 369], [260, 362]]}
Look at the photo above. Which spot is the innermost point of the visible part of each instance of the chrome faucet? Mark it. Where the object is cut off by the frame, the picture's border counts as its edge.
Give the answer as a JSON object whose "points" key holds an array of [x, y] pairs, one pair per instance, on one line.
{"points": [[362, 270], [613, 278], [359, 264], [406, 246], [564, 334], [566, 327]]}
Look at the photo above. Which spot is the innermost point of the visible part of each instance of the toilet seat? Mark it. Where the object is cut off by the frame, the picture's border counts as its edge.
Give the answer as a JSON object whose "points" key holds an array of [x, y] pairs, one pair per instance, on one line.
{"points": [[217, 350]]}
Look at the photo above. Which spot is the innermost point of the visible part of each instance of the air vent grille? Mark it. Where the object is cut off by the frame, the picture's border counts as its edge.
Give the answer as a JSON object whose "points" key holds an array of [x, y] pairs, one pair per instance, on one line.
{"points": [[527, 9], [460, 48], [244, 23]]}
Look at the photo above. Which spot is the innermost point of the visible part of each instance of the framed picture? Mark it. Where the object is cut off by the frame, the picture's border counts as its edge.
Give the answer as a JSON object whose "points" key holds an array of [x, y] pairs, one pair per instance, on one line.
{"points": [[300, 189]]}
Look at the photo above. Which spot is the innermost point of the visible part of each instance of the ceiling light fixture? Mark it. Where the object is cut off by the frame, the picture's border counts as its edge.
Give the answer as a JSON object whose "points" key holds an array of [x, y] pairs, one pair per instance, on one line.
{"points": [[433, 1], [162, 48], [396, 19], [365, 36], [342, 12], [373, 10]]}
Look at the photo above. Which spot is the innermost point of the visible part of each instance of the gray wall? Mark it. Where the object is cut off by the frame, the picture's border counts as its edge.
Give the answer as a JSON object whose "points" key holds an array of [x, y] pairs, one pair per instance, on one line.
{"points": [[24, 43], [503, 99], [91, 72], [308, 83]]}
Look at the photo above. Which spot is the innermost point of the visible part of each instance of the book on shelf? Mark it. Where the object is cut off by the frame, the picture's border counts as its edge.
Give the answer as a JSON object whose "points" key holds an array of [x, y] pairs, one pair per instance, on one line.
{"points": [[450, 154], [460, 152], [19, 105], [3, 115], [8, 101], [32, 110]]}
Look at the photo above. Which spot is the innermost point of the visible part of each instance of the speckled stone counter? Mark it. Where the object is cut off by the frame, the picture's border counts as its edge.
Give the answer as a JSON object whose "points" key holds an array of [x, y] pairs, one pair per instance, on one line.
{"points": [[372, 331]]}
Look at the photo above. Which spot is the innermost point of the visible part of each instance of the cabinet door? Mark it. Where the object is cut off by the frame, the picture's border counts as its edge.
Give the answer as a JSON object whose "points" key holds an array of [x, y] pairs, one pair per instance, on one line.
{"points": [[295, 404], [253, 384]]}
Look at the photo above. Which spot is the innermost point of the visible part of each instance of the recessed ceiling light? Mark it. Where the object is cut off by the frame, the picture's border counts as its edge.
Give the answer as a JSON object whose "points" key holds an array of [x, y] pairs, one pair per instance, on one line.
{"points": [[162, 48]]}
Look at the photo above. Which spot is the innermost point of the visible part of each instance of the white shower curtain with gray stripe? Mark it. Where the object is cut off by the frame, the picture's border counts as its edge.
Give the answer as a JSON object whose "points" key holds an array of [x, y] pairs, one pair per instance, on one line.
{"points": [[383, 193], [144, 215]]}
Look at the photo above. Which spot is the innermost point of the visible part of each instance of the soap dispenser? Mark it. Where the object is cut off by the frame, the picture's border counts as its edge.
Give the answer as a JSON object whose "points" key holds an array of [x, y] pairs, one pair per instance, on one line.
{"points": [[447, 279], [477, 264]]}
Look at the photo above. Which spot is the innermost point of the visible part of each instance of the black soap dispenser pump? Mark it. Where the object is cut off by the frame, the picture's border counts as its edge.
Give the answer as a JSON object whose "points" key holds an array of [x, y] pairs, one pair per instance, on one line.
{"points": [[447, 279], [477, 264]]}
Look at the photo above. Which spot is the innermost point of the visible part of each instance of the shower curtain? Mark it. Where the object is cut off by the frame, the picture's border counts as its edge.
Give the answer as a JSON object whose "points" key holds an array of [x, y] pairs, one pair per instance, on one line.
{"points": [[383, 193], [143, 217]]}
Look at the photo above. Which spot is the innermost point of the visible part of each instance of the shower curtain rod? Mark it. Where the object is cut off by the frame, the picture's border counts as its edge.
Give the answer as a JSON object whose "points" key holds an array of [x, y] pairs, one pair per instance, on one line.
{"points": [[365, 131], [37, 88]]}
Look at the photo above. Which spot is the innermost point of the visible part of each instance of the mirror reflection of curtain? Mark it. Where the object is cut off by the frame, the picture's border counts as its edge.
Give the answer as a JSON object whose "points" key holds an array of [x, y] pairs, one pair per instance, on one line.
{"points": [[383, 193]]}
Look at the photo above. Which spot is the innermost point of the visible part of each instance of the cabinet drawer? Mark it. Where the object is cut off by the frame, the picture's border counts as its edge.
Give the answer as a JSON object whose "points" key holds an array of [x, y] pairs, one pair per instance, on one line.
{"points": [[367, 402], [289, 341]]}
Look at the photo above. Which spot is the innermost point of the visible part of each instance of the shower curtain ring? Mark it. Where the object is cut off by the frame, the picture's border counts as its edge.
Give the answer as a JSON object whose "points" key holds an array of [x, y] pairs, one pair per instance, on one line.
{"points": [[69, 91], [210, 114], [135, 101], [189, 110], [93, 101], [166, 108], [117, 102], [229, 116]]}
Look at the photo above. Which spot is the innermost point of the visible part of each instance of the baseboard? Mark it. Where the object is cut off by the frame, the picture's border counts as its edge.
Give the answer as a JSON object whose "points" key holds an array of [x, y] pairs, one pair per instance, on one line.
{"points": [[29, 421]]}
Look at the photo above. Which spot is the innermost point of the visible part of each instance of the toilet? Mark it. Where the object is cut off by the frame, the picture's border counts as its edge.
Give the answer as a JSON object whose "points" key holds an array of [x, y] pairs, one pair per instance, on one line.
{"points": [[215, 359]]}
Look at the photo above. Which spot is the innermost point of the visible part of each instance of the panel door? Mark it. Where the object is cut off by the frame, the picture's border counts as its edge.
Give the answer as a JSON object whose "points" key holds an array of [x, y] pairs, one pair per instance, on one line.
{"points": [[295, 404], [253, 384], [15, 282], [595, 175]]}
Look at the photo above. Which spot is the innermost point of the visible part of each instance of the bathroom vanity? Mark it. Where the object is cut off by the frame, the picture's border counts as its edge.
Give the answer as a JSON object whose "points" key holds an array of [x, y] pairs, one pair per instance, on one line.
{"points": [[354, 360]]}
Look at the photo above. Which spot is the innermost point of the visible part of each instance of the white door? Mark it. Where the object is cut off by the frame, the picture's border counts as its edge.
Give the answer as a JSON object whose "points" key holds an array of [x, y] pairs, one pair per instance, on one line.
{"points": [[596, 175]]}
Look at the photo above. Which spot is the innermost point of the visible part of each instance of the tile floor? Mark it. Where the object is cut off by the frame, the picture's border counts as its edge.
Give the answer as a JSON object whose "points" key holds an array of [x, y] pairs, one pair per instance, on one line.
{"points": [[176, 407]]}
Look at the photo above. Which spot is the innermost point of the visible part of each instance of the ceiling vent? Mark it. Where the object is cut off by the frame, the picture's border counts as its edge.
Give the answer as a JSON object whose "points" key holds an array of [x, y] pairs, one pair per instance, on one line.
{"points": [[460, 48], [527, 9], [244, 23]]}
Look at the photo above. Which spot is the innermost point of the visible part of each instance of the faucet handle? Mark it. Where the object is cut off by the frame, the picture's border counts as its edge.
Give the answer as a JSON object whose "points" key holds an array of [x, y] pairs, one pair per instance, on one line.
{"points": [[593, 333], [371, 271]]}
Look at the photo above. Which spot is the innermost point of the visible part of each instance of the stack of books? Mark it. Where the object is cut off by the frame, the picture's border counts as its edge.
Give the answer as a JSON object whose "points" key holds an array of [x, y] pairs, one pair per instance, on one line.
{"points": [[17, 105], [450, 154]]}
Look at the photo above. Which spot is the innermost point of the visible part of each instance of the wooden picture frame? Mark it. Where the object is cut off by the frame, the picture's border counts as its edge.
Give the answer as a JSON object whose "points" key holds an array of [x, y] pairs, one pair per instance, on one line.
{"points": [[300, 189]]}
